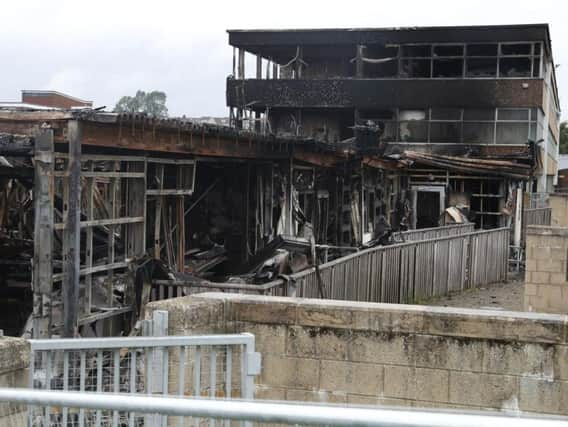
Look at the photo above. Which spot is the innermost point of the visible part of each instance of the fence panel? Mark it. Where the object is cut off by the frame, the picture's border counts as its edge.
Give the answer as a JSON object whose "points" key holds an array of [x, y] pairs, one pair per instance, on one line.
{"points": [[217, 366], [412, 271], [435, 232]]}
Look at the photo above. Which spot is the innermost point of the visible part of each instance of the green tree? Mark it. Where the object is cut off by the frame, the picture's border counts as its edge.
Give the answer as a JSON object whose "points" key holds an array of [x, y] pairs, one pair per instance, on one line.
{"points": [[152, 103], [564, 137]]}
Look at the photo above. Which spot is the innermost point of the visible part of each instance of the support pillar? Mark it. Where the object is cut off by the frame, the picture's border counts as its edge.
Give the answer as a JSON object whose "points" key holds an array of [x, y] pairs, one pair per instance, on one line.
{"points": [[72, 234]]}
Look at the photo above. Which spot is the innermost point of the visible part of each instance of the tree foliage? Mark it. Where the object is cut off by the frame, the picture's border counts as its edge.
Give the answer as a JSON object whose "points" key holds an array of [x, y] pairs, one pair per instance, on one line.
{"points": [[152, 103], [564, 137]]}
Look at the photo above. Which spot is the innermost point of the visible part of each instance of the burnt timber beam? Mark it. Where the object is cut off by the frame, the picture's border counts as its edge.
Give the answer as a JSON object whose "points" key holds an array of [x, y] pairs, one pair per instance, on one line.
{"points": [[42, 281], [72, 246]]}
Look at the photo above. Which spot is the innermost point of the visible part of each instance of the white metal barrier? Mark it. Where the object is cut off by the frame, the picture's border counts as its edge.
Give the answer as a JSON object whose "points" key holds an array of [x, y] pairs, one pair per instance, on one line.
{"points": [[271, 412], [214, 366]]}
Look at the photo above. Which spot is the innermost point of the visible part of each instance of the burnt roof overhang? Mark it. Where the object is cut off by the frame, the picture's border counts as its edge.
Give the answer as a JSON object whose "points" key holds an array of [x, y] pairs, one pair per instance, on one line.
{"points": [[272, 42]]}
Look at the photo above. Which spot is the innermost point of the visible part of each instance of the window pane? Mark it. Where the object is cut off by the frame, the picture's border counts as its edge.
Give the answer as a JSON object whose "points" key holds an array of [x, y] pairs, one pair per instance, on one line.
{"points": [[415, 68], [481, 67], [445, 114], [481, 49], [514, 67], [448, 50], [513, 114], [448, 67], [479, 114], [445, 132], [480, 133], [516, 49], [512, 133], [422, 50], [537, 48]]}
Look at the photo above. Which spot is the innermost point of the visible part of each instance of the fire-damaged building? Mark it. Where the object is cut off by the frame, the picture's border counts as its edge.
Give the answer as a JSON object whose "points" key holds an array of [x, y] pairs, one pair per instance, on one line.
{"points": [[339, 140], [466, 109]]}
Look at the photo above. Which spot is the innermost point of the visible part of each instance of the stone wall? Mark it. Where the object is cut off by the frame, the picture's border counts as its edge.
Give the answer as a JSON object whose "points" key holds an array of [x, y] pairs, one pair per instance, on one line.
{"points": [[559, 204], [546, 284], [14, 363], [368, 353]]}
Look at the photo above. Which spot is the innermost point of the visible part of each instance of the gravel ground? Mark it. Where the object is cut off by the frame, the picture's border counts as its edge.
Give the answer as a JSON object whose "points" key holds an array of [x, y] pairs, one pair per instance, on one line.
{"points": [[499, 296]]}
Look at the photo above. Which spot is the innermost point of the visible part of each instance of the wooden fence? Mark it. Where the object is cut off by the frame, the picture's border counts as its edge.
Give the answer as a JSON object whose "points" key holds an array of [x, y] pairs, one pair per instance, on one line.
{"points": [[435, 232], [412, 271]]}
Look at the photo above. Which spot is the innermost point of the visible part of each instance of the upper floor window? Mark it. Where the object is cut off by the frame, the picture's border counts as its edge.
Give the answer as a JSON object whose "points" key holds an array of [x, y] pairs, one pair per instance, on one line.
{"points": [[461, 60]]}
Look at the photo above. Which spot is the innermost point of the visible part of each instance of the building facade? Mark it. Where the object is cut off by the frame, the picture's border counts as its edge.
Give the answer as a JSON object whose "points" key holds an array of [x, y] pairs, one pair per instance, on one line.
{"points": [[436, 96]]}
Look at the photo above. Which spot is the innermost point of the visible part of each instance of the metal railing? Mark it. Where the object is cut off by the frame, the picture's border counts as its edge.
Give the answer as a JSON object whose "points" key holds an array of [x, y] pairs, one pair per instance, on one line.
{"points": [[270, 412], [435, 232], [536, 216], [215, 366], [412, 271]]}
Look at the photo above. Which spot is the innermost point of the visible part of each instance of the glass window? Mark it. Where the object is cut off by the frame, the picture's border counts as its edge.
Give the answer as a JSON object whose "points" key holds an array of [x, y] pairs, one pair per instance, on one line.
{"points": [[536, 67], [512, 133], [513, 114], [448, 50], [448, 68]]}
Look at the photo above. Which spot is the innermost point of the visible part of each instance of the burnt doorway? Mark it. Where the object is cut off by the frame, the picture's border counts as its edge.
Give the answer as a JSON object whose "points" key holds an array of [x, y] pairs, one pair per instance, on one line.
{"points": [[428, 204]]}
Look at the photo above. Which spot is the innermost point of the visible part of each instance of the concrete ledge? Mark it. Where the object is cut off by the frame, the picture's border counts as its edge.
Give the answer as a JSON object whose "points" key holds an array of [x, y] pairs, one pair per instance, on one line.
{"points": [[202, 309], [546, 230]]}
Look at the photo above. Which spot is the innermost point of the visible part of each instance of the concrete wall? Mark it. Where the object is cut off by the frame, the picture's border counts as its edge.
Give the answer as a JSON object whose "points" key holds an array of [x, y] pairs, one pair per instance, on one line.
{"points": [[559, 204], [365, 353], [546, 277], [14, 363]]}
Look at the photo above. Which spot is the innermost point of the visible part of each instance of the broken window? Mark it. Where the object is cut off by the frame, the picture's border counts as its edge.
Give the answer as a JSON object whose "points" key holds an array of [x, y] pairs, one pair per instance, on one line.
{"points": [[515, 67], [448, 67], [380, 61], [416, 68], [478, 133], [482, 49], [417, 51], [481, 67], [515, 49], [448, 50], [413, 126]]}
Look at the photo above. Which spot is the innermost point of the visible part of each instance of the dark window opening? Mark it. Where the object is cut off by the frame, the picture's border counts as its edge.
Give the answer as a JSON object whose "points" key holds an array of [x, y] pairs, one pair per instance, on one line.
{"points": [[448, 50], [514, 67], [417, 51], [537, 48], [516, 49], [428, 209], [481, 67], [415, 68], [536, 67], [478, 114], [414, 131], [448, 68], [482, 50], [445, 114], [478, 133], [445, 132]]}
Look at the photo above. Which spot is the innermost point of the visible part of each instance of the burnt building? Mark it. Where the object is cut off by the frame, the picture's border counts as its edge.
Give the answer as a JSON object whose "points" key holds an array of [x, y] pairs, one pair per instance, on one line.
{"points": [[471, 114]]}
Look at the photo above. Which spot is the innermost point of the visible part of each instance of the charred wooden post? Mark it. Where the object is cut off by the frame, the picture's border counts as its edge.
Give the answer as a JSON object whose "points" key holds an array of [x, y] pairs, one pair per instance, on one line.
{"points": [[43, 234], [72, 233]]}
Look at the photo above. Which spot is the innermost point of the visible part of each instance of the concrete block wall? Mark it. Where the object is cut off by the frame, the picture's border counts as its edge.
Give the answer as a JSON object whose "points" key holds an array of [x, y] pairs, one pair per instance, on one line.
{"points": [[388, 354], [14, 364], [546, 275], [559, 204]]}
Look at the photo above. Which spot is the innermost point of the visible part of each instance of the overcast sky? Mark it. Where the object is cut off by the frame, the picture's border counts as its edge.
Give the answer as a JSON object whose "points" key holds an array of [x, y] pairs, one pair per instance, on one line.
{"points": [[101, 50]]}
